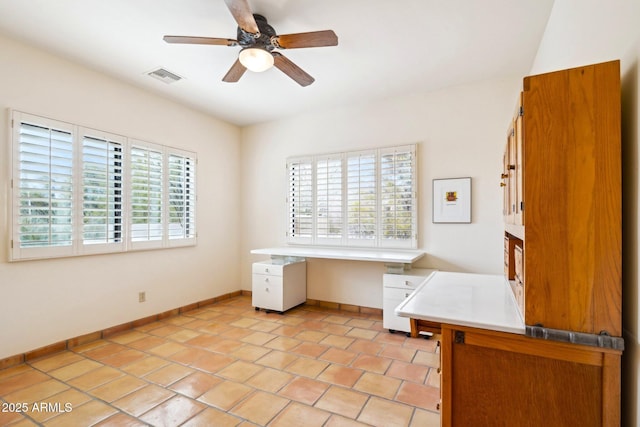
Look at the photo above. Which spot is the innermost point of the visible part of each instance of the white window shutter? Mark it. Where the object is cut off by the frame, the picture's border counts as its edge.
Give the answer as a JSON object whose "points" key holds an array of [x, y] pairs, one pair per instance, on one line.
{"points": [[146, 196], [43, 188], [300, 207], [181, 197], [329, 200], [362, 202], [103, 195]]}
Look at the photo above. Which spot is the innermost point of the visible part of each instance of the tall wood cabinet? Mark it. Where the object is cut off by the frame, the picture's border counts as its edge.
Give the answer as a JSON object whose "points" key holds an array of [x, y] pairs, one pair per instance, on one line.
{"points": [[562, 190], [562, 253]]}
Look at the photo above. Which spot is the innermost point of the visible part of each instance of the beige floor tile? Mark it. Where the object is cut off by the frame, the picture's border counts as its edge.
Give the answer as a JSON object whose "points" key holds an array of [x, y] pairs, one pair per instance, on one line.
{"points": [[365, 346], [361, 323], [56, 361], [144, 366], [337, 341], [183, 335], [338, 421], [307, 367], [103, 351], [166, 349], [196, 384], [423, 418], [146, 343], [341, 375], [123, 358], [212, 417], [74, 370], [378, 385], [287, 331], [408, 371], [277, 359], [296, 415], [86, 414], [36, 392], [121, 420], [265, 326], [71, 397], [140, 401], [427, 358], [118, 388], [225, 345], [314, 336], [419, 395], [250, 352], [128, 337], [362, 333], [203, 340], [433, 378], [310, 349], [240, 371], [283, 343], [236, 333], [260, 407], [244, 322], [337, 355], [385, 413], [372, 363], [168, 374], [399, 353], [304, 390], [336, 329], [212, 362], [337, 319], [173, 412], [225, 395], [95, 378], [343, 401], [270, 380]]}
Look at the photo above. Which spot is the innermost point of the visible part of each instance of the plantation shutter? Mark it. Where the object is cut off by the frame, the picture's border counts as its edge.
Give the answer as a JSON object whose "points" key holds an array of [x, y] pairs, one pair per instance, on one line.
{"points": [[397, 196], [300, 201], [329, 215], [182, 197], [44, 196], [361, 198], [146, 196], [102, 191]]}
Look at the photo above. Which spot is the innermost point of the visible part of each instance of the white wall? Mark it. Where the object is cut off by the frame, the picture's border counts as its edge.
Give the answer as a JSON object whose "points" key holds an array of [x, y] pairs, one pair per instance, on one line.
{"points": [[581, 32], [42, 302], [460, 132]]}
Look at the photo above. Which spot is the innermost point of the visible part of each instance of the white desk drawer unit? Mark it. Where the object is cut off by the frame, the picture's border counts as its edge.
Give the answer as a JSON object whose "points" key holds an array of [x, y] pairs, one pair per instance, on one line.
{"points": [[397, 288], [278, 285]]}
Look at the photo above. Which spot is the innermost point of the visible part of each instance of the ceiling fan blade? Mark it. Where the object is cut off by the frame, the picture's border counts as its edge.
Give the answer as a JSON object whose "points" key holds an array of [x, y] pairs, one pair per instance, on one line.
{"points": [[242, 14], [311, 39], [292, 70], [235, 72], [200, 40]]}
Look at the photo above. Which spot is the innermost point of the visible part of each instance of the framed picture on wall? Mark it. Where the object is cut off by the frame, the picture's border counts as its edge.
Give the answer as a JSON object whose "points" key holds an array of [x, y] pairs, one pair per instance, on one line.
{"points": [[452, 200]]}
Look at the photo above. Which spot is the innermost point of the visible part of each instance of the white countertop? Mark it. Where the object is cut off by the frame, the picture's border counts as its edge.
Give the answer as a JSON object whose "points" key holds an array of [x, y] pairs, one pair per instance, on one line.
{"points": [[354, 254], [476, 300]]}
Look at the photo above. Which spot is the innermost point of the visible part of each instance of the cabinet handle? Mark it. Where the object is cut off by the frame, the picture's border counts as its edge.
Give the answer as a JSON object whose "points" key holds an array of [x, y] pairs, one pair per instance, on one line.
{"points": [[266, 289], [438, 406], [406, 282], [504, 175], [406, 295], [512, 167], [438, 370], [266, 270], [266, 280], [502, 184]]}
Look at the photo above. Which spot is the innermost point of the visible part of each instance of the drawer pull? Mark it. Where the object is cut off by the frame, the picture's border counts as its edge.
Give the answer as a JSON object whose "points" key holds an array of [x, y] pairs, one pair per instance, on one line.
{"points": [[266, 270], [406, 295], [266, 289], [406, 282], [266, 279], [438, 370]]}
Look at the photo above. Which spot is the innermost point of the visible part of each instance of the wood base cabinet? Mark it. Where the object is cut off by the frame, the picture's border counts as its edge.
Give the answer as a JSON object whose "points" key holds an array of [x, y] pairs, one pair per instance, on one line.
{"points": [[500, 379]]}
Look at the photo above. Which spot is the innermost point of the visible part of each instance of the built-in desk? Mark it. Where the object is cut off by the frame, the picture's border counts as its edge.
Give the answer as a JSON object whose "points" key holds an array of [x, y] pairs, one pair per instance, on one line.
{"points": [[396, 260]]}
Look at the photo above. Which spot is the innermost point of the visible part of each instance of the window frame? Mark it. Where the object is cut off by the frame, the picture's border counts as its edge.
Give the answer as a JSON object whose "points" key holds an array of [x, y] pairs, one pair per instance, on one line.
{"points": [[120, 194], [374, 185]]}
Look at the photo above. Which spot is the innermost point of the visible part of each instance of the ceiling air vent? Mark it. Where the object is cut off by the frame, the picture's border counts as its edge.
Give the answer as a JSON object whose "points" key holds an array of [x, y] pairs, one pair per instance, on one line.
{"points": [[165, 76]]}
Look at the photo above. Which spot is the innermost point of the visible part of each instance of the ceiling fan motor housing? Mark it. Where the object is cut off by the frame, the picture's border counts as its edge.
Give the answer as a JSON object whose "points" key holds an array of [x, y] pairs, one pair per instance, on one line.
{"points": [[246, 39]]}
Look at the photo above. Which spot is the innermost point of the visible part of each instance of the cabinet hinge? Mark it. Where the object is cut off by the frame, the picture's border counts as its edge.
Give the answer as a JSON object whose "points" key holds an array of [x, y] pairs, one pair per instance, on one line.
{"points": [[521, 111], [459, 337], [521, 206], [11, 243]]}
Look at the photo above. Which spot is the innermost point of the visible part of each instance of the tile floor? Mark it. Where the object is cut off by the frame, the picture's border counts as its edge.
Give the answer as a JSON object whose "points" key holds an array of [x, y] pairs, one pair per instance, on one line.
{"points": [[228, 365]]}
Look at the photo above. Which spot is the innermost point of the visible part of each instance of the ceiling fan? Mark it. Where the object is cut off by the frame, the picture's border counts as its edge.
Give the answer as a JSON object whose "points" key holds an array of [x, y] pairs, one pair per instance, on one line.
{"points": [[259, 40]]}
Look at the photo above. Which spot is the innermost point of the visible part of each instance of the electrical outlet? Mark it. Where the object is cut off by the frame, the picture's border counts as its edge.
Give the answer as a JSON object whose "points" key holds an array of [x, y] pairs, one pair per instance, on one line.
{"points": [[142, 296]]}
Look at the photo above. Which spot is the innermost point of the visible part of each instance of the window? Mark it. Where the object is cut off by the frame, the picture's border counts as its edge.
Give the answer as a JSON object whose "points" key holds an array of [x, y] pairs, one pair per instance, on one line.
{"points": [[364, 198], [78, 191]]}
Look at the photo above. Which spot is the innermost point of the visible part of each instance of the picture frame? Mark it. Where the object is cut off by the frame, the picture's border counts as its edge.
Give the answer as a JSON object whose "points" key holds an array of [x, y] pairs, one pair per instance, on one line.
{"points": [[451, 201]]}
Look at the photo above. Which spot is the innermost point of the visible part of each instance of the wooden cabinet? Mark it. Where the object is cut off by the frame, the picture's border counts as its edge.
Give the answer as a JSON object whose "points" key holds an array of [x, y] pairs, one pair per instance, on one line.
{"points": [[562, 189], [278, 285], [500, 379]]}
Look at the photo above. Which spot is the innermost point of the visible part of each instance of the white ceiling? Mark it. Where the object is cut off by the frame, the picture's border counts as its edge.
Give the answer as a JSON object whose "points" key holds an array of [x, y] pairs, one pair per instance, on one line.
{"points": [[386, 47]]}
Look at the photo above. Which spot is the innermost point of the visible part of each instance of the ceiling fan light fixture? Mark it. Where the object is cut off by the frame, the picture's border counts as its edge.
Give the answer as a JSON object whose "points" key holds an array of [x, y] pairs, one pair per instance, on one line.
{"points": [[256, 59]]}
